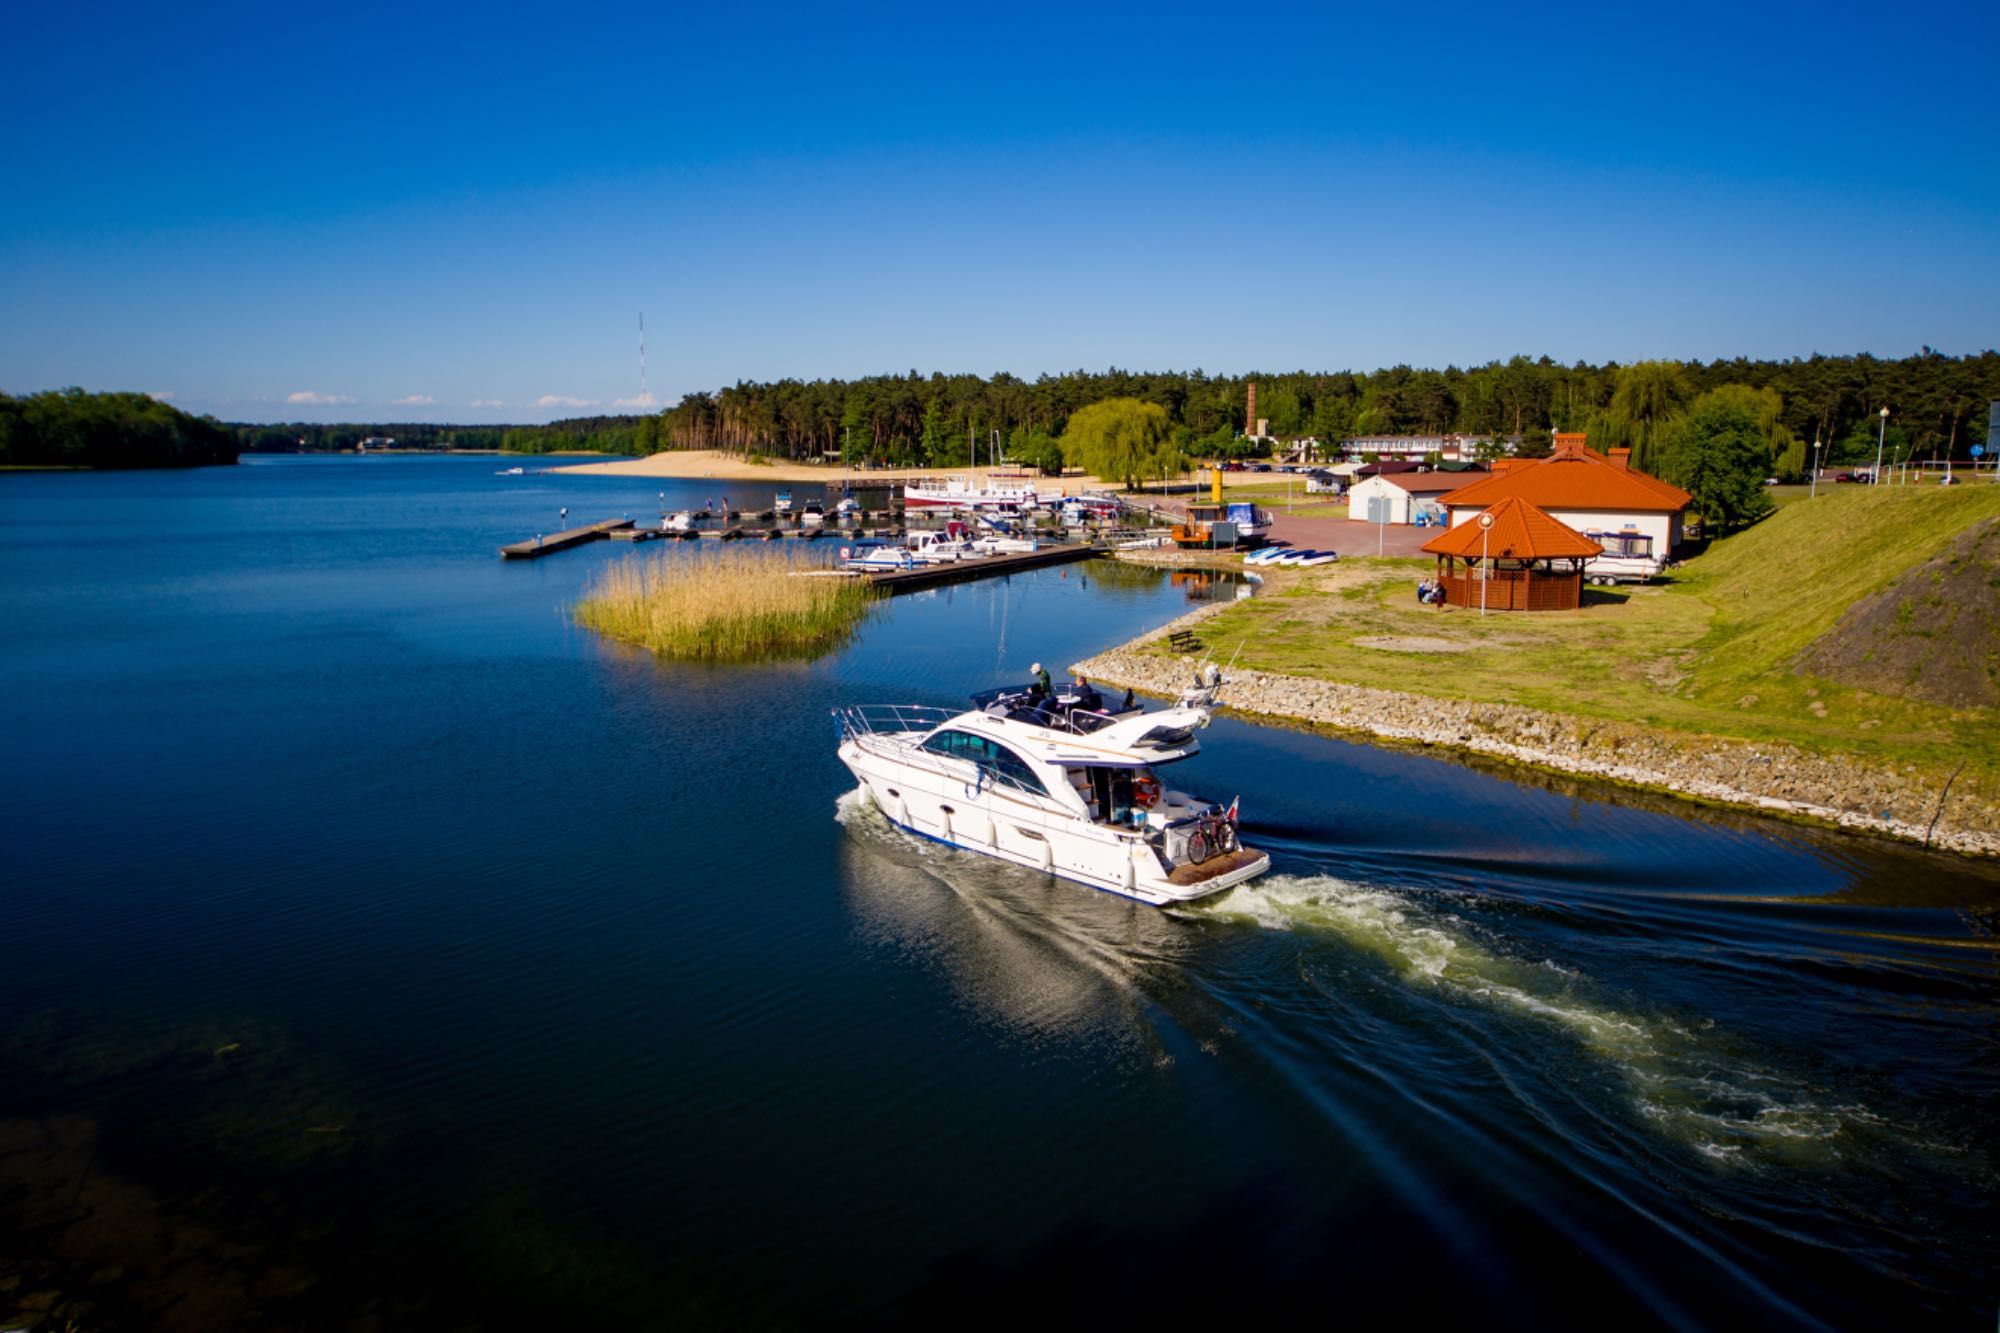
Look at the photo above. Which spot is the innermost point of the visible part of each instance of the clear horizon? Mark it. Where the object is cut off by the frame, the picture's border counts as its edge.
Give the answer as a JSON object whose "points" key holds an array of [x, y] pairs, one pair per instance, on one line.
{"points": [[397, 215]]}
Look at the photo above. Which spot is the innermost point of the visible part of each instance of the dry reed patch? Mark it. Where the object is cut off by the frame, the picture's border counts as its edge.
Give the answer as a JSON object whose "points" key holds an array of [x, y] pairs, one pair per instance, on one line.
{"points": [[735, 604]]}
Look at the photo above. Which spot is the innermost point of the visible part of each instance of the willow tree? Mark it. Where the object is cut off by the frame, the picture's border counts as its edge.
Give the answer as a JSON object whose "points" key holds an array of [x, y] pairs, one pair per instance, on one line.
{"points": [[1720, 452], [1122, 439], [1646, 401]]}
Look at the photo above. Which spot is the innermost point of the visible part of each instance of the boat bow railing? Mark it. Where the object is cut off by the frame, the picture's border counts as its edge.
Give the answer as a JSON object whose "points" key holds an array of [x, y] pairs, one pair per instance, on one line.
{"points": [[861, 721]]}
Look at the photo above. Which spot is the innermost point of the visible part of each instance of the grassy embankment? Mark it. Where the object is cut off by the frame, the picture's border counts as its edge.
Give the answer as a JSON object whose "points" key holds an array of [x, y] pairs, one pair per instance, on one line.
{"points": [[1712, 651], [741, 603]]}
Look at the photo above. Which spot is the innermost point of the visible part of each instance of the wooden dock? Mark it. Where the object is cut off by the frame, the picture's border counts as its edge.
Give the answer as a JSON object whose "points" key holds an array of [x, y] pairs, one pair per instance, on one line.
{"points": [[890, 581], [562, 541], [964, 571]]}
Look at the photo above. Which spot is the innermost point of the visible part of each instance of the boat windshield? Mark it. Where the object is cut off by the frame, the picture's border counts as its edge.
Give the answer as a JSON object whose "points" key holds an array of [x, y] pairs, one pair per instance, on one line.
{"points": [[1066, 708]]}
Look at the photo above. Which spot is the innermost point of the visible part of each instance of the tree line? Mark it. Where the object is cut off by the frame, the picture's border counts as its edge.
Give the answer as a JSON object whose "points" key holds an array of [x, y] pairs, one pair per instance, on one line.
{"points": [[71, 428], [609, 435], [1937, 402]]}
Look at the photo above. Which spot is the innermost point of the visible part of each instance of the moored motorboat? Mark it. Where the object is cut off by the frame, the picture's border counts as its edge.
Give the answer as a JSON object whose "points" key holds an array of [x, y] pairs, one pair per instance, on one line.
{"points": [[1056, 782], [1000, 491]]}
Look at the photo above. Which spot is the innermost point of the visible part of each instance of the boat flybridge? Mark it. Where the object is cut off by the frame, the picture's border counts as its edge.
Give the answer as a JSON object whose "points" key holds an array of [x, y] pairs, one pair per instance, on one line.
{"points": [[1059, 783]]}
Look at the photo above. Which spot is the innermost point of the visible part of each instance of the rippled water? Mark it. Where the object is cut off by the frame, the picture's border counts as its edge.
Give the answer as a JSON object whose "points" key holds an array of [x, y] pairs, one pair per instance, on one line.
{"points": [[377, 945]]}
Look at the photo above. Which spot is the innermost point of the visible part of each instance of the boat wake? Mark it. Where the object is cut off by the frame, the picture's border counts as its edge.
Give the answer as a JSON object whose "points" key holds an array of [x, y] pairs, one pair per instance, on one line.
{"points": [[1688, 1081]]}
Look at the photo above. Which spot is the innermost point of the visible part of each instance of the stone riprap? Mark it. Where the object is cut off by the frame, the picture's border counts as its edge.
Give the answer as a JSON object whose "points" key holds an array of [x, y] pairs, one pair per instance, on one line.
{"points": [[1766, 776]]}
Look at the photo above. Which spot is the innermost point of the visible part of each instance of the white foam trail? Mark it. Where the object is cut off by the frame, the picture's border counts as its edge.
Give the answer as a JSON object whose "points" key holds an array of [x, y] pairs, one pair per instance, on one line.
{"points": [[1685, 1084]]}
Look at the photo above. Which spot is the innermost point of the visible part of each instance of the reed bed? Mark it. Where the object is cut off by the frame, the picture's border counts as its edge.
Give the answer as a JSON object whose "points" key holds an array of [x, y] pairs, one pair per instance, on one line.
{"points": [[741, 603]]}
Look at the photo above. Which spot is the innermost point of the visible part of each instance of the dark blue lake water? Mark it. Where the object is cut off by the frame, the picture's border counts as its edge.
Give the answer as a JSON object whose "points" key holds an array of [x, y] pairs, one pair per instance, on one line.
{"points": [[378, 949]]}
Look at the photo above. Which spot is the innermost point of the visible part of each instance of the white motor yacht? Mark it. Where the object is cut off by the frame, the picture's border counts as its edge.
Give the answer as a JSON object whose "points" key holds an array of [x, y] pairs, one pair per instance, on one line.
{"points": [[681, 520], [1060, 784], [873, 556], [942, 548], [782, 504], [814, 512]]}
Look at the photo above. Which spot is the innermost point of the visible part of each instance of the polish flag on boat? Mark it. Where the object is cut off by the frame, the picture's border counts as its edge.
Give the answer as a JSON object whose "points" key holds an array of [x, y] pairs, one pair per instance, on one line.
{"points": [[1231, 815]]}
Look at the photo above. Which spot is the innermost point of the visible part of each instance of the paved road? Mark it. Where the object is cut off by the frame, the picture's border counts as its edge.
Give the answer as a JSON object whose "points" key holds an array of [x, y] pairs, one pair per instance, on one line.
{"points": [[1333, 531]]}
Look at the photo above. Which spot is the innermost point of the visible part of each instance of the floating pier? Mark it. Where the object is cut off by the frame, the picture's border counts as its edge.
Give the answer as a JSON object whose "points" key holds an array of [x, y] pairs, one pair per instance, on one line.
{"points": [[964, 571], [892, 581], [562, 541]]}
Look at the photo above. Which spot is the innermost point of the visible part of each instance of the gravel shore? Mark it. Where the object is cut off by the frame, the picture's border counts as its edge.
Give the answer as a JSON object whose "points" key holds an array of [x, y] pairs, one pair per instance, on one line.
{"points": [[1770, 777]]}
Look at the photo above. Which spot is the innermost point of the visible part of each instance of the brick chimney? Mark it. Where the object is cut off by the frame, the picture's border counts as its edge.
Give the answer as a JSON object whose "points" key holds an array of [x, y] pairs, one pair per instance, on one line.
{"points": [[1621, 458]]}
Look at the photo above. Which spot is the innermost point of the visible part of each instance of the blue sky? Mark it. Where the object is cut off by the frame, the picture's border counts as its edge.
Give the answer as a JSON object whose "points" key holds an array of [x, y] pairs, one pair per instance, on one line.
{"points": [[406, 213]]}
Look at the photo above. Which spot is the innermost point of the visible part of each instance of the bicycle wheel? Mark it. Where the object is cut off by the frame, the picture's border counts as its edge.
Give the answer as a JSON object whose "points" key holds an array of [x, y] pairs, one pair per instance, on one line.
{"points": [[1197, 847]]}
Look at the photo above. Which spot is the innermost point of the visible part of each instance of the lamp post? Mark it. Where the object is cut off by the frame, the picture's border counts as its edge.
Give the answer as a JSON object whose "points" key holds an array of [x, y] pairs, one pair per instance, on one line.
{"points": [[1815, 480], [1881, 437], [1485, 570]]}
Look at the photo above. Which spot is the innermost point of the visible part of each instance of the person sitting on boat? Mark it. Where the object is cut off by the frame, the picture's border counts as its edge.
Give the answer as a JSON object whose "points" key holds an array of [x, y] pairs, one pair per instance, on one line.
{"points": [[1038, 689], [1087, 697]]}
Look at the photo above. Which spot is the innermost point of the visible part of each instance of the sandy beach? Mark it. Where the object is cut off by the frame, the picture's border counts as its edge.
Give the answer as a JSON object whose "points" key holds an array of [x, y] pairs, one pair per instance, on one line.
{"points": [[734, 467]]}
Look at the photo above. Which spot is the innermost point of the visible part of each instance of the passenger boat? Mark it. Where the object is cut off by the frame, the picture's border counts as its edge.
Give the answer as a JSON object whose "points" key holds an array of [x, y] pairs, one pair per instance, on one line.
{"points": [[1002, 491], [1058, 783]]}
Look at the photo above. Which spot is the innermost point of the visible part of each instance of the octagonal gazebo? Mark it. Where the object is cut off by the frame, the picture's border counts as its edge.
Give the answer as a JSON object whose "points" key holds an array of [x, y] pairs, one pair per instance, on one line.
{"points": [[1523, 560]]}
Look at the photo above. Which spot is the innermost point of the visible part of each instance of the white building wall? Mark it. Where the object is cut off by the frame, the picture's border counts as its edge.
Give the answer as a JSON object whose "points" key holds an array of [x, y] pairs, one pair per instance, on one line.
{"points": [[1665, 529], [1359, 496]]}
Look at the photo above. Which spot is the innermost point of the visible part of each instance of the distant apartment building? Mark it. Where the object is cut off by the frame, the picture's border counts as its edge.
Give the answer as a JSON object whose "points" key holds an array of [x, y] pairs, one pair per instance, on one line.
{"points": [[1450, 447]]}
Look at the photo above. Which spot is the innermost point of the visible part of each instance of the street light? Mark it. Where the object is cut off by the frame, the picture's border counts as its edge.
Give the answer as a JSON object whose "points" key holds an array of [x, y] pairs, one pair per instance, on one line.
{"points": [[1815, 481], [1485, 570], [1880, 438]]}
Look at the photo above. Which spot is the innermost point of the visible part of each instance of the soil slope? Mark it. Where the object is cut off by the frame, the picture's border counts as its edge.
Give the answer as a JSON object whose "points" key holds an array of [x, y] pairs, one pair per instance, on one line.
{"points": [[1933, 634]]}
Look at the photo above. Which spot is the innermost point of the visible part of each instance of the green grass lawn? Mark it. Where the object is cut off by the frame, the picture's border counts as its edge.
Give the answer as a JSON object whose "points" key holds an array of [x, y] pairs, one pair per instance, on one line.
{"points": [[1708, 651]]}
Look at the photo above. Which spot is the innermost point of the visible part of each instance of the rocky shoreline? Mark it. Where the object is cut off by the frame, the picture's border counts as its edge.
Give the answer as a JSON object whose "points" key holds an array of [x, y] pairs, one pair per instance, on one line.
{"points": [[1768, 777]]}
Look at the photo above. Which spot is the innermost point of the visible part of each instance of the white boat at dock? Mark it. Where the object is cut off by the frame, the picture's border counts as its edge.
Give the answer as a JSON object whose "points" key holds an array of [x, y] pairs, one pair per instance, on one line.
{"points": [[1005, 491], [874, 557], [681, 520], [1059, 783]]}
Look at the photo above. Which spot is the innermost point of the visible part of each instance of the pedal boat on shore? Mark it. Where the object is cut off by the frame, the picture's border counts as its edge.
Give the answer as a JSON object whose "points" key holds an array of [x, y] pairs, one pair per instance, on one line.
{"points": [[1059, 784]]}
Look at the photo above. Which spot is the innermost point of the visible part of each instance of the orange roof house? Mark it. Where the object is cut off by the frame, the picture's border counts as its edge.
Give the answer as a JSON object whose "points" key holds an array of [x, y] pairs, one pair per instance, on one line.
{"points": [[1577, 477], [1591, 493], [1522, 560]]}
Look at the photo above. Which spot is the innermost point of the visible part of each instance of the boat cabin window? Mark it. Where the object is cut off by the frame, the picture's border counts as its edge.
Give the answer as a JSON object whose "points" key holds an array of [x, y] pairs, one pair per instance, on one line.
{"points": [[999, 762]]}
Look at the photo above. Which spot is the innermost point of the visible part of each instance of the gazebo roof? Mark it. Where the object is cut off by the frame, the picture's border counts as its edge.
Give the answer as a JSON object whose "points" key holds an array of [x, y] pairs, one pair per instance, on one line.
{"points": [[1519, 532]]}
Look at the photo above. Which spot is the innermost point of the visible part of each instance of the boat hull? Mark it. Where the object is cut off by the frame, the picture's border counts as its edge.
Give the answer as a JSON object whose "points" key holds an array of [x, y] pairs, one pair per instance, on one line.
{"points": [[1015, 829]]}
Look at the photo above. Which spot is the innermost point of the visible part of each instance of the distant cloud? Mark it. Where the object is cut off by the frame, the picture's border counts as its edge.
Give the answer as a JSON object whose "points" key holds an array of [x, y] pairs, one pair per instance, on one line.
{"points": [[307, 398], [562, 400], [161, 395], [643, 400], [487, 402], [416, 400]]}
